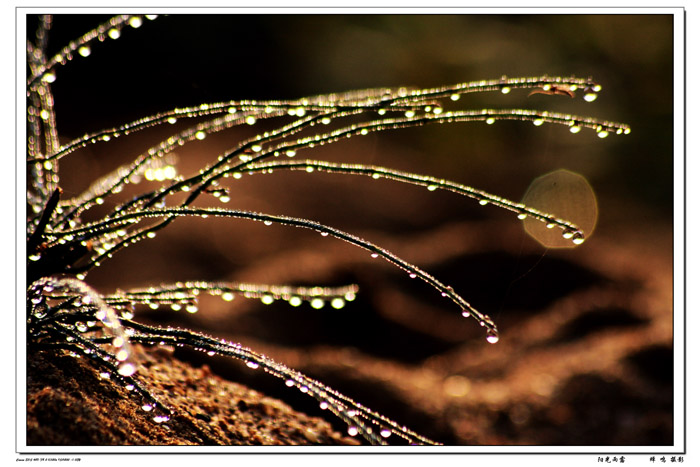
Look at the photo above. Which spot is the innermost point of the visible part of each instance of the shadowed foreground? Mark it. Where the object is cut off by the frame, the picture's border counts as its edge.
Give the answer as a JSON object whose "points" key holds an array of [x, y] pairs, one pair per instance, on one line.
{"points": [[585, 356]]}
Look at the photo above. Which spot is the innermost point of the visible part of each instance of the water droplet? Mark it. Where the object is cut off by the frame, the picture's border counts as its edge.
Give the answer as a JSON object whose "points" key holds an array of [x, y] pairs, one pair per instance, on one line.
{"points": [[147, 407], [252, 365], [135, 22], [410, 114], [151, 235], [602, 134], [522, 216], [267, 299], [323, 405], [114, 33], [227, 296], [191, 308], [289, 383], [161, 418], [578, 238], [291, 153], [211, 353], [352, 431], [490, 121], [295, 301], [466, 313], [35, 257], [412, 275], [104, 375], [483, 202], [80, 326], [317, 303], [122, 355], [505, 89], [590, 96], [118, 341], [492, 337], [538, 122], [48, 77], [250, 120], [432, 187], [337, 303], [455, 97], [385, 433], [374, 255], [575, 128], [325, 120]]}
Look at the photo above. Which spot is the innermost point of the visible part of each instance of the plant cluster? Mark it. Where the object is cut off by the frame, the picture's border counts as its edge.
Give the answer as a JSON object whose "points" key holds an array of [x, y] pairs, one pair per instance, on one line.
{"points": [[64, 313]]}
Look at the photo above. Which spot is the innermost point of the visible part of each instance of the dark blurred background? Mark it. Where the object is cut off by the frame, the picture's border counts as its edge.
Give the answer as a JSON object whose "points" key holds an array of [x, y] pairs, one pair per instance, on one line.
{"points": [[182, 60]]}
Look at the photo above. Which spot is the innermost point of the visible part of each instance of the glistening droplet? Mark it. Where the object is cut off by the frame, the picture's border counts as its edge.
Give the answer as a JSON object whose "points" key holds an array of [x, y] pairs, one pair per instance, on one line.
{"points": [[492, 337], [127, 369], [227, 296]]}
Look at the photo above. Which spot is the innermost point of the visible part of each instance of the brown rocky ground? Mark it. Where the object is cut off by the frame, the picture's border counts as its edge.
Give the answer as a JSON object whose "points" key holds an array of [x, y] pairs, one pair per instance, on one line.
{"points": [[71, 405]]}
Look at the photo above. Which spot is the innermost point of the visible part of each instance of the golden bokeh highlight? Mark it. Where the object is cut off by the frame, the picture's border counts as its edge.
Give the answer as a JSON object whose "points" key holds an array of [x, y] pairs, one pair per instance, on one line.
{"points": [[568, 196]]}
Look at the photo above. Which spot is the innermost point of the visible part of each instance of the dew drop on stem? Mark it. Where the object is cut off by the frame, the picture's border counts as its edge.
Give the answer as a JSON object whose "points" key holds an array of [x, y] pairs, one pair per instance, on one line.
{"points": [[127, 369], [492, 337]]}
